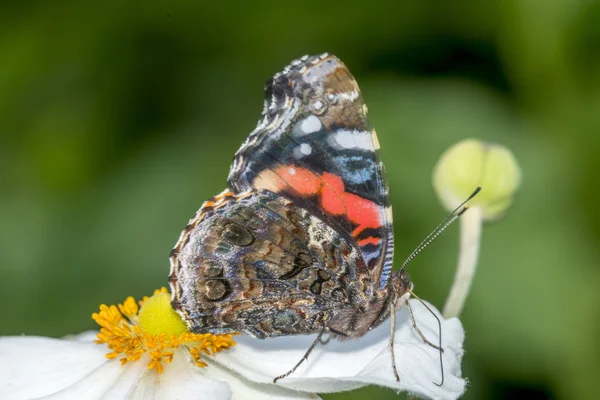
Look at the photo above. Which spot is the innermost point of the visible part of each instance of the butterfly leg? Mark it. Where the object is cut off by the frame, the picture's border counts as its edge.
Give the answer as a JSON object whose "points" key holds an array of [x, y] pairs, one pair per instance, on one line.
{"points": [[304, 358], [326, 340], [392, 334], [414, 324]]}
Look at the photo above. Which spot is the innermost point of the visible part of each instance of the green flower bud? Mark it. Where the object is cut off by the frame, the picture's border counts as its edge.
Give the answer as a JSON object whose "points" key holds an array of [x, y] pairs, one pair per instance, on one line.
{"points": [[471, 163]]}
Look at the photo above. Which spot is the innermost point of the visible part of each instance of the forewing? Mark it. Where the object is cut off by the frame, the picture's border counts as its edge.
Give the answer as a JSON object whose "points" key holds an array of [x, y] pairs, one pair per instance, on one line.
{"points": [[314, 145], [255, 262]]}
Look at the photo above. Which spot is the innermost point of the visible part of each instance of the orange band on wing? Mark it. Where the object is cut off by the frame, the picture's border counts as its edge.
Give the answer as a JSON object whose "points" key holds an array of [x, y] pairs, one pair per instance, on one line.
{"points": [[362, 211], [302, 180], [332, 194], [334, 200], [369, 240]]}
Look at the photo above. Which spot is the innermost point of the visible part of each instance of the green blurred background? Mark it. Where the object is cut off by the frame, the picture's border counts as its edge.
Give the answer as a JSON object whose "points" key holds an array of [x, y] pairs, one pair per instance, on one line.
{"points": [[117, 121]]}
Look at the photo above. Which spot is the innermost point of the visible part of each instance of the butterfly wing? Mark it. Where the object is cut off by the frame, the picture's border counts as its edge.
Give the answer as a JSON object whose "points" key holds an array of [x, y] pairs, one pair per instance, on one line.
{"points": [[315, 146], [255, 262]]}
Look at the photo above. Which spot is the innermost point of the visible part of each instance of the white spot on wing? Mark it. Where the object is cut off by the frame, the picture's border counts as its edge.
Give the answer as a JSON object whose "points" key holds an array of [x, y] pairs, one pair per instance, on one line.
{"points": [[344, 139], [303, 150], [308, 125], [349, 96]]}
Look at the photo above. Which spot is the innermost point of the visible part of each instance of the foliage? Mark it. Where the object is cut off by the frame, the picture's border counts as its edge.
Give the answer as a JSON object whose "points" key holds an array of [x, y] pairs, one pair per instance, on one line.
{"points": [[116, 122]]}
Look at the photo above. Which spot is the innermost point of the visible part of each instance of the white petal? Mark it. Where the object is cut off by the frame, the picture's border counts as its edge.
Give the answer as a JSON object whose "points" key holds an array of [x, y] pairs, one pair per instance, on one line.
{"points": [[32, 367], [127, 382], [181, 380], [347, 365], [87, 336], [246, 390], [110, 381]]}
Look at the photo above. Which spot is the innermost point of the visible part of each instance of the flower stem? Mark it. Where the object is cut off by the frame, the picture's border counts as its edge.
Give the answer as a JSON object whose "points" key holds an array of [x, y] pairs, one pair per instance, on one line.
{"points": [[470, 239]]}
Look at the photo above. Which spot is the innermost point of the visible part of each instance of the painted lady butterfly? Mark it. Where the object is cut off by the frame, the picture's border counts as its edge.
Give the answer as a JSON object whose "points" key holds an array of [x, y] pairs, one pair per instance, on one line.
{"points": [[302, 241]]}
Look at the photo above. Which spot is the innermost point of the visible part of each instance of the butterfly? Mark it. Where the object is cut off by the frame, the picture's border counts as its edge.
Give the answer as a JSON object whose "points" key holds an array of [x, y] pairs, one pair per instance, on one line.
{"points": [[302, 241]]}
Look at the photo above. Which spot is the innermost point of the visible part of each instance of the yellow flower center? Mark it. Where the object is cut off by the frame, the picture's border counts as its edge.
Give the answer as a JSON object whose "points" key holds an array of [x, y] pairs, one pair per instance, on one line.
{"points": [[156, 329], [157, 316]]}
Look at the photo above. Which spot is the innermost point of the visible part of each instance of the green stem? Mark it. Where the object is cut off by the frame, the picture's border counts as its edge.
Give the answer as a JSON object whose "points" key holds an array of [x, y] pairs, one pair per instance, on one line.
{"points": [[470, 239]]}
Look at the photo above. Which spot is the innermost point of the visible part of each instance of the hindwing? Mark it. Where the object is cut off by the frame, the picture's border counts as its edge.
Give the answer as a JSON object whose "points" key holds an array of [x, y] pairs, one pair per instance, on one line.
{"points": [[255, 262]]}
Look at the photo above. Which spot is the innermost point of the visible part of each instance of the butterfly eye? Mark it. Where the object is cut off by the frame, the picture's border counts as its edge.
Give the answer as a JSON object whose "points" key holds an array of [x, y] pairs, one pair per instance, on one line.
{"points": [[318, 105]]}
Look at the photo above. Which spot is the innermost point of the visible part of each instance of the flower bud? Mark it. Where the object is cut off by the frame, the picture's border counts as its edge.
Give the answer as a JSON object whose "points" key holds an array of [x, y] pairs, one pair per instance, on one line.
{"points": [[471, 163]]}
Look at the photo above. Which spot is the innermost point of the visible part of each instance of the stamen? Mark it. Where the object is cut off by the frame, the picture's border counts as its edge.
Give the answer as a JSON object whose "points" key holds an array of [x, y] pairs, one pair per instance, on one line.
{"points": [[155, 328]]}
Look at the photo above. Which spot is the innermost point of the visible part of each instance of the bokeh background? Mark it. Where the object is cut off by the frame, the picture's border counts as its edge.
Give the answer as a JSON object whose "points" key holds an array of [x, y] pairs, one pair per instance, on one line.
{"points": [[118, 120]]}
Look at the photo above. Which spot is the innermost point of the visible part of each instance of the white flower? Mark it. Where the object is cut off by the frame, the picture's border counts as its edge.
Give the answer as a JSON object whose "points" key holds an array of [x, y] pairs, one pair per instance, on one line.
{"points": [[78, 368]]}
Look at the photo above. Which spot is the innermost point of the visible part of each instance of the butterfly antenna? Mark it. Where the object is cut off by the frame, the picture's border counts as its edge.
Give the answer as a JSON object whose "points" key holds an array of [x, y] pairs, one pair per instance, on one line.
{"points": [[446, 222]]}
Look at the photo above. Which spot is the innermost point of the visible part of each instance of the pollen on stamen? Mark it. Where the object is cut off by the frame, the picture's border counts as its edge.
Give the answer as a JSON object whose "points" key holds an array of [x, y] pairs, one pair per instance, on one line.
{"points": [[130, 331]]}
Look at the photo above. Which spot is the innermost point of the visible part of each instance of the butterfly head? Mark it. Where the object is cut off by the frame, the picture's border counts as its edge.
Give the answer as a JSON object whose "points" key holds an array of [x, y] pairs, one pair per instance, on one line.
{"points": [[401, 287]]}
